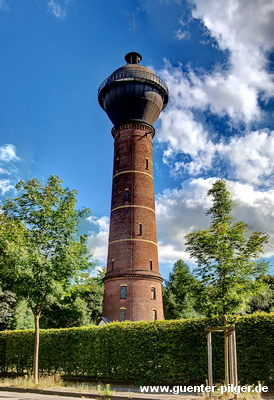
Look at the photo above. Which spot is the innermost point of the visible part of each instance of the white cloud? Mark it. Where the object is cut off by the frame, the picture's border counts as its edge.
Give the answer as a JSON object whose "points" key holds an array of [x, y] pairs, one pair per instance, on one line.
{"points": [[251, 157], [5, 185], [7, 158], [8, 153], [245, 29], [233, 90], [224, 19], [183, 210], [179, 34], [56, 9], [248, 158], [184, 134], [98, 238]]}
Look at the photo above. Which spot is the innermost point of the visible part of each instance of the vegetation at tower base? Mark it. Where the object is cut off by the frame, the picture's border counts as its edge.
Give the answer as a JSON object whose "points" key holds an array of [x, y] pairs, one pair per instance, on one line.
{"points": [[83, 306], [226, 256], [179, 292], [39, 253], [7, 308], [162, 351], [264, 301], [80, 307]]}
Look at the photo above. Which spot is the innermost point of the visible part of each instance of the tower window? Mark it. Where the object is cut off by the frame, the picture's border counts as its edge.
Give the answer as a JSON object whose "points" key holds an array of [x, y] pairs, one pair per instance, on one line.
{"points": [[140, 232], [126, 194], [154, 315], [122, 314], [112, 264], [146, 163], [153, 293], [123, 293], [150, 265]]}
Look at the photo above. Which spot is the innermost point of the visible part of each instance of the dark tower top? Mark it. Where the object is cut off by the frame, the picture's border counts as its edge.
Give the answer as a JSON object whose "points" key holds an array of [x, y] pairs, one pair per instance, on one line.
{"points": [[133, 93]]}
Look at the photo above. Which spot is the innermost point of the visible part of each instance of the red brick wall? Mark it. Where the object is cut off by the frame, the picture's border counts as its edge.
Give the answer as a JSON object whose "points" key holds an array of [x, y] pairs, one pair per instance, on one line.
{"points": [[138, 303], [132, 255]]}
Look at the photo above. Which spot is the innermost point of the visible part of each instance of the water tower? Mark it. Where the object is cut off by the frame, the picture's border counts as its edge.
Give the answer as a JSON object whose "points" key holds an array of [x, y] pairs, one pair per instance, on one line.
{"points": [[133, 97]]}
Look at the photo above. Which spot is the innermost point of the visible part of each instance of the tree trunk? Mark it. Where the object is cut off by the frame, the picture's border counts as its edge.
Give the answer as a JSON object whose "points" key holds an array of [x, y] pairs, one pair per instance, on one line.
{"points": [[227, 381], [36, 347]]}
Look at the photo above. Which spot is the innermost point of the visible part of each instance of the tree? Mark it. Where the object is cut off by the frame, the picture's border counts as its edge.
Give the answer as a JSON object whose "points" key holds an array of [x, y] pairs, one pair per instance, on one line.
{"points": [[226, 257], [39, 251], [179, 292]]}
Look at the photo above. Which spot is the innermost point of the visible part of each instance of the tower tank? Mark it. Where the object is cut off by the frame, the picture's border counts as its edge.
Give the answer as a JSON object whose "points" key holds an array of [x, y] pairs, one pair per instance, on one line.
{"points": [[133, 92]]}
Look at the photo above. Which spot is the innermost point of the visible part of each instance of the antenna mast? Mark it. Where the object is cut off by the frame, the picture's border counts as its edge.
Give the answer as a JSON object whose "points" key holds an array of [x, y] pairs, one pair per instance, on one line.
{"points": [[133, 31]]}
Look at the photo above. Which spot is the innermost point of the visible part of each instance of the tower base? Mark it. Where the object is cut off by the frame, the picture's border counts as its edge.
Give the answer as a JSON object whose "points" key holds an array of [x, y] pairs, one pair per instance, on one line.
{"points": [[133, 297]]}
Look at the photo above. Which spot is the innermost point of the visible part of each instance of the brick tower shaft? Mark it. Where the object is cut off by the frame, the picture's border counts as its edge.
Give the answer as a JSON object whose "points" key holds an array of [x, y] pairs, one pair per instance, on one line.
{"points": [[133, 283]]}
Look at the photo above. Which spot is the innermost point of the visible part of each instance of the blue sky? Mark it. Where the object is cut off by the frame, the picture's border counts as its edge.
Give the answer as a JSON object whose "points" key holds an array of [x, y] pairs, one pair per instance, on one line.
{"points": [[216, 57]]}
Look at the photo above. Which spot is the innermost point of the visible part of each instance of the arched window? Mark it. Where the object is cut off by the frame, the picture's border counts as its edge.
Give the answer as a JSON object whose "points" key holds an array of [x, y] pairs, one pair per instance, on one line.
{"points": [[122, 314], [154, 315], [140, 229], [123, 292], [153, 293]]}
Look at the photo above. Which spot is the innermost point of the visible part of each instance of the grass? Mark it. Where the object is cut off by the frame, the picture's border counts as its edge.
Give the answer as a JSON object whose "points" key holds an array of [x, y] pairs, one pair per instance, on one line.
{"points": [[54, 382]]}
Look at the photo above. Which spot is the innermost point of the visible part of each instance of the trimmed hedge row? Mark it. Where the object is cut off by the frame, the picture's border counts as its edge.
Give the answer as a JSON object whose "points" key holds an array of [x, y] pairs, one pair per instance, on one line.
{"points": [[162, 351]]}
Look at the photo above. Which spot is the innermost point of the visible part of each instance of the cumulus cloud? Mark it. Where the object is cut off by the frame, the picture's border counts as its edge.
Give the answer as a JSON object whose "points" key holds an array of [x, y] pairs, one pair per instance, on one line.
{"points": [[232, 92], [224, 19], [56, 9], [250, 157], [98, 238], [8, 153], [183, 210], [246, 30]]}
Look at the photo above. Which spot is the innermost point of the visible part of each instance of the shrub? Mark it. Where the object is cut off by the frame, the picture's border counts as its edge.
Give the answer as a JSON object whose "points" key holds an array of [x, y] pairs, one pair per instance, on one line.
{"points": [[162, 351]]}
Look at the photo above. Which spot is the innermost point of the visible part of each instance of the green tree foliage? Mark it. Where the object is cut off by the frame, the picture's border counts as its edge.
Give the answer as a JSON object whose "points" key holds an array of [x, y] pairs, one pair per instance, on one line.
{"points": [[80, 307], [7, 308], [83, 306], [264, 301], [226, 257], [91, 290], [179, 292], [39, 250], [23, 316]]}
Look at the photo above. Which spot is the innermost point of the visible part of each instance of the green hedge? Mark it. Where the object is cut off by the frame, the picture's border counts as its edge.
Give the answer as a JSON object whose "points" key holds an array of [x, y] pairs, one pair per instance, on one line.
{"points": [[162, 351]]}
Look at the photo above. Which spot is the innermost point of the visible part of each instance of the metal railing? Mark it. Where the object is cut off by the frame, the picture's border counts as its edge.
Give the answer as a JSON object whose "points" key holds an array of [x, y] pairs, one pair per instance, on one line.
{"points": [[134, 75]]}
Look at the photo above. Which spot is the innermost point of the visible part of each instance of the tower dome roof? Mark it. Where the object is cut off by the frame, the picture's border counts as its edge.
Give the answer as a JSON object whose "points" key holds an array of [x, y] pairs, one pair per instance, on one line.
{"points": [[133, 92]]}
